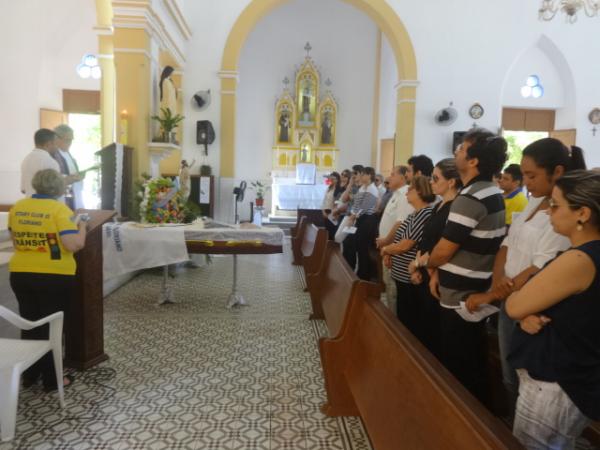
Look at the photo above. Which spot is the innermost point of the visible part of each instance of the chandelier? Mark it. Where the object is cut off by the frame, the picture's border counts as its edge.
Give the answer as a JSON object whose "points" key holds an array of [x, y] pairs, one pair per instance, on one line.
{"points": [[549, 8]]}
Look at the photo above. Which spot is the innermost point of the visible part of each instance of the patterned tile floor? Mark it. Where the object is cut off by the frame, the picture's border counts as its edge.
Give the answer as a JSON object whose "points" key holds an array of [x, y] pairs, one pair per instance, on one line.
{"points": [[195, 375]]}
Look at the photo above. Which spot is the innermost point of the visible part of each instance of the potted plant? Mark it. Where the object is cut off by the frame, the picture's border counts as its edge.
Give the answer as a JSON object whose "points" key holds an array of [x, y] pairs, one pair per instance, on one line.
{"points": [[168, 122], [260, 189]]}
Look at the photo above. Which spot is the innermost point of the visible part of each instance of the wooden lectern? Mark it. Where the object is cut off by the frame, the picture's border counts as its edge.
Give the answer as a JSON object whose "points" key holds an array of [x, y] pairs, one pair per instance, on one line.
{"points": [[84, 326], [108, 168]]}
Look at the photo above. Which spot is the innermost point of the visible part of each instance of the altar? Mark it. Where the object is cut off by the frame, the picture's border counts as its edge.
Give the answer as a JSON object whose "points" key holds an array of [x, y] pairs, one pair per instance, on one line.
{"points": [[305, 137], [287, 195]]}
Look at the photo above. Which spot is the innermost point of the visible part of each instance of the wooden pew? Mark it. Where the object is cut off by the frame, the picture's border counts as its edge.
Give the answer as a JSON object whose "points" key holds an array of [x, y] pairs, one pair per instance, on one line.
{"points": [[314, 215], [375, 368], [313, 247], [333, 287], [297, 241]]}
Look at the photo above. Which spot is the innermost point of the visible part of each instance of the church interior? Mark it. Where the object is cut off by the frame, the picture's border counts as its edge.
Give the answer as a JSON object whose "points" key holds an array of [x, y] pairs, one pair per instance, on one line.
{"points": [[245, 100]]}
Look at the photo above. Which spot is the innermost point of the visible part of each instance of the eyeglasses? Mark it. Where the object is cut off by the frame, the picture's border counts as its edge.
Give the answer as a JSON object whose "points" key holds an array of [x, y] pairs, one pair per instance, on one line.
{"points": [[554, 206], [435, 178]]}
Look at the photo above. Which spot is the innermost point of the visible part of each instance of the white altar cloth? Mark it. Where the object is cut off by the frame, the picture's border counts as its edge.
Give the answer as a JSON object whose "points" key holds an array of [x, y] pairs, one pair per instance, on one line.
{"points": [[294, 196], [127, 247]]}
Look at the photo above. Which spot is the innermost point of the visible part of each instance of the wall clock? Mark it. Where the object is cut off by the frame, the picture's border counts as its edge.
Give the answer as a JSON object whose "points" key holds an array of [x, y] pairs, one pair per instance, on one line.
{"points": [[594, 116], [476, 111]]}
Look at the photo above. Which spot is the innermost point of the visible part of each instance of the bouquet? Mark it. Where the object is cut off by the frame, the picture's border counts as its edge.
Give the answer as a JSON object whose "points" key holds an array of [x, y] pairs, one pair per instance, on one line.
{"points": [[161, 202]]}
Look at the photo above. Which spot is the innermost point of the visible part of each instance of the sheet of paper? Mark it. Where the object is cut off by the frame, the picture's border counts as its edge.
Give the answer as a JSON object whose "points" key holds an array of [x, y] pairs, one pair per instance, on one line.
{"points": [[482, 312], [350, 230], [204, 190]]}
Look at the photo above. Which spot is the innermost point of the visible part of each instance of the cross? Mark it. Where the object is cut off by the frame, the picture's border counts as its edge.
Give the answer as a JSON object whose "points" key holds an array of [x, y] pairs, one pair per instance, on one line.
{"points": [[286, 81], [308, 48], [328, 83], [594, 131]]}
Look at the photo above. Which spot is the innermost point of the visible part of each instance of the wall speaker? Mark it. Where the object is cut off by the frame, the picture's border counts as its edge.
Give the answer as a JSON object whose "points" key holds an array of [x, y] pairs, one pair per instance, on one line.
{"points": [[205, 134]]}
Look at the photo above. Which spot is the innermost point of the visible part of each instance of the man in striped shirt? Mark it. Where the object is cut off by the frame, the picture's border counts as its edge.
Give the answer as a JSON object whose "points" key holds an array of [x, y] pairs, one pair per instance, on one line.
{"points": [[464, 257], [365, 220]]}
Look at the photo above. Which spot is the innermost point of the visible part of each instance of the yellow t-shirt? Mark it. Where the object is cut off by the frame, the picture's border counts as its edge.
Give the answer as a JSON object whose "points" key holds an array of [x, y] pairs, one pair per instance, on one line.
{"points": [[36, 225], [515, 202]]}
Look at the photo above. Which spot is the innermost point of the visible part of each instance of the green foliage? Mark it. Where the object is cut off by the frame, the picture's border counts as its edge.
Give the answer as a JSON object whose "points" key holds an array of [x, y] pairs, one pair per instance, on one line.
{"points": [[168, 122], [515, 151], [517, 141], [191, 211], [137, 195], [260, 188]]}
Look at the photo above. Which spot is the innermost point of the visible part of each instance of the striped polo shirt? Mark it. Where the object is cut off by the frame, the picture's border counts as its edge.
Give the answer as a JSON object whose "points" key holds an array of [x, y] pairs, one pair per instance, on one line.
{"points": [[477, 223], [411, 229], [365, 200]]}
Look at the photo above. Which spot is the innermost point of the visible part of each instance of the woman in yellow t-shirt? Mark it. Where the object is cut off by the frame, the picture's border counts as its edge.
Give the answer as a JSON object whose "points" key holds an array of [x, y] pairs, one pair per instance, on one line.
{"points": [[42, 270]]}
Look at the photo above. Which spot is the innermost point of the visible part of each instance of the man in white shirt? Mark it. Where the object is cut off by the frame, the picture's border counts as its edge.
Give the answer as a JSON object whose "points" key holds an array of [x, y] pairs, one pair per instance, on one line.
{"points": [[39, 158], [395, 212], [64, 140]]}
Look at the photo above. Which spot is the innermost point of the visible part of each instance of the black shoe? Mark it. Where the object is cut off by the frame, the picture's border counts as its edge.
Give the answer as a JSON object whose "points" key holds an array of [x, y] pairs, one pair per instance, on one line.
{"points": [[54, 387], [28, 382]]}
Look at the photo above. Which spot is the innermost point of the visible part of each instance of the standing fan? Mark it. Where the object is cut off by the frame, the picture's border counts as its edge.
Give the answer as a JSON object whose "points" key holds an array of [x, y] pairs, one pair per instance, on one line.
{"points": [[238, 196]]}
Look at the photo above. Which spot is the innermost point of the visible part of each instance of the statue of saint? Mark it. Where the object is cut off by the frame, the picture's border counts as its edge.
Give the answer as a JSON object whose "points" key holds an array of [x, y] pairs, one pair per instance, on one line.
{"points": [[306, 100], [326, 129], [185, 185], [304, 153], [284, 127], [168, 91]]}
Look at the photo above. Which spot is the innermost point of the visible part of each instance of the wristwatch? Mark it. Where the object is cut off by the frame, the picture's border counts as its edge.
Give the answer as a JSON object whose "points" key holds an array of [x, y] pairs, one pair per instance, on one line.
{"points": [[84, 217]]}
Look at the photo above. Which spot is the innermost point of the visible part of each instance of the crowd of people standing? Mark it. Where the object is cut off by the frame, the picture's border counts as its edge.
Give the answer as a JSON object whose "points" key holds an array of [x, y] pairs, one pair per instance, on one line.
{"points": [[450, 239]]}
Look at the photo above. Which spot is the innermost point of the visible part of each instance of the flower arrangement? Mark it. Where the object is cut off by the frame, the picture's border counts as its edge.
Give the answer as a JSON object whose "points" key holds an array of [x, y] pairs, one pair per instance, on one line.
{"points": [[260, 189], [161, 202], [168, 122]]}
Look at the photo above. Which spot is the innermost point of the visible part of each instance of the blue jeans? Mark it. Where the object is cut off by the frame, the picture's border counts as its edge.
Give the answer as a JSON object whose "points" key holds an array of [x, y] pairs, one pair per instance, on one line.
{"points": [[546, 418]]}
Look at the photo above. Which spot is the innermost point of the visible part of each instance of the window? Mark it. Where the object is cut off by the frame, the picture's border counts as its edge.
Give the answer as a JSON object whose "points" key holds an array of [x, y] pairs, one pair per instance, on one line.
{"points": [[533, 87]]}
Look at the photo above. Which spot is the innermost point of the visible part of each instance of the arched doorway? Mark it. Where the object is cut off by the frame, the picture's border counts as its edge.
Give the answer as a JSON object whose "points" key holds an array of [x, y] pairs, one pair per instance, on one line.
{"points": [[386, 19]]}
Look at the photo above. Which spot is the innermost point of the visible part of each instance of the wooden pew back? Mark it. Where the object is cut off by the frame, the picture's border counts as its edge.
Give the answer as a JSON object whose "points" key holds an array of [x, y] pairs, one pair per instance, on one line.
{"points": [[333, 286], [297, 241], [376, 369], [313, 248]]}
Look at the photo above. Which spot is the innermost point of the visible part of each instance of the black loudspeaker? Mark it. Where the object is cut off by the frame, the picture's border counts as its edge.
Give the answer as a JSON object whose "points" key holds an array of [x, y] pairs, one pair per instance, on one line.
{"points": [[457, 138], [205, 134]]}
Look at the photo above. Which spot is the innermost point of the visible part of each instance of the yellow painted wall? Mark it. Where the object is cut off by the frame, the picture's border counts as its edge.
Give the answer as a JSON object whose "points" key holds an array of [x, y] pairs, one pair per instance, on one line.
{"points": [[133, 91]]}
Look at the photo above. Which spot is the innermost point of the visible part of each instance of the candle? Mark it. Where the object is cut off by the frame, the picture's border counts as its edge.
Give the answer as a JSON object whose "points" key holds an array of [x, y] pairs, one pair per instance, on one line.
{"points": [[124, 125]]}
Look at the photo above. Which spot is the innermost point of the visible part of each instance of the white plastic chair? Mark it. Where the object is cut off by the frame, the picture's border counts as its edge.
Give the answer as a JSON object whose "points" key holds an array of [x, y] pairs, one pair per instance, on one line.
{"points": [[16, 355]]}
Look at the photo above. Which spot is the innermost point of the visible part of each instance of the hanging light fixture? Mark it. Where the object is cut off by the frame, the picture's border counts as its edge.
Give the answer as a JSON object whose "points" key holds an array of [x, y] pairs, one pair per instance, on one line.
{"points": [[549, 9]]}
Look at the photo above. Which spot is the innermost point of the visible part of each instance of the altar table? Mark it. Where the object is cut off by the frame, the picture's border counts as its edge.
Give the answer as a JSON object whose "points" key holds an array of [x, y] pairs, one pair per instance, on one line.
{"points": [[129, 246]]}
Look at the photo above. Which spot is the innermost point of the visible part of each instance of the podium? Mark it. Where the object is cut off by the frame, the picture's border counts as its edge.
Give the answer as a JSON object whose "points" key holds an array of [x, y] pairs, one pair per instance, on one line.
{"points": [[113, 159], [84, 324]]}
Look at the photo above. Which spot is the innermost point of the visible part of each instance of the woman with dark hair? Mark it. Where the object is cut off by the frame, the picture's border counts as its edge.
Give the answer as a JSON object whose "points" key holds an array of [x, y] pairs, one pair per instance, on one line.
{"points": [[333, 193], [556, 348], [399, 255], [531, 240], [445, 182], [168, 91]]}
